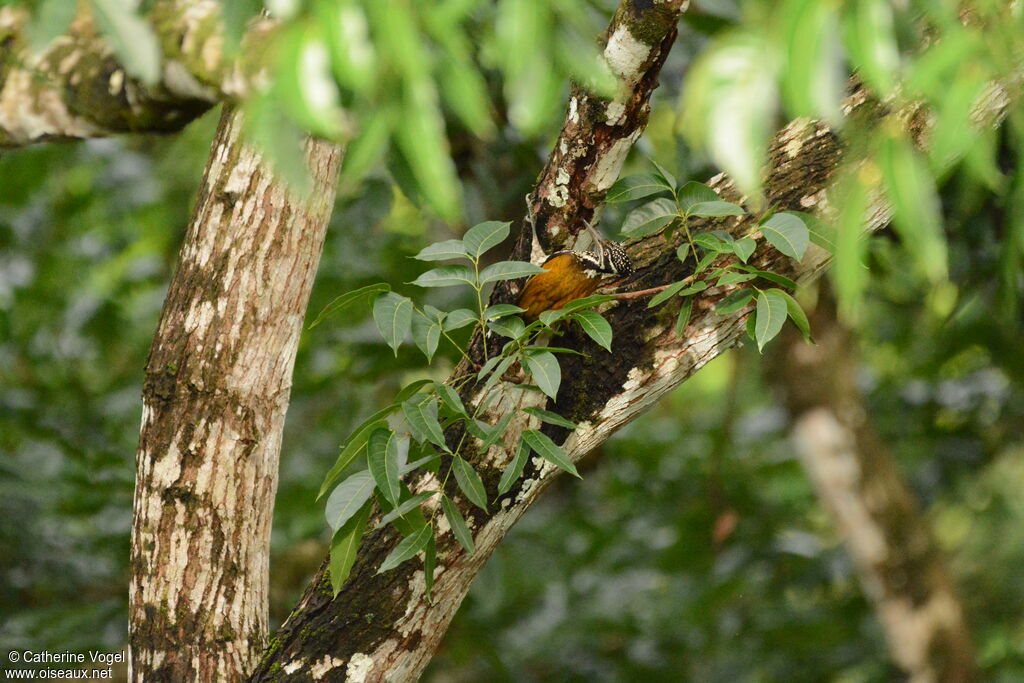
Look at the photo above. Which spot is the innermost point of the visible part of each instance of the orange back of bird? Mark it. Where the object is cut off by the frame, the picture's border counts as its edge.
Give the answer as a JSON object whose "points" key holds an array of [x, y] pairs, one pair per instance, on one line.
{"points": [[564, 281]]}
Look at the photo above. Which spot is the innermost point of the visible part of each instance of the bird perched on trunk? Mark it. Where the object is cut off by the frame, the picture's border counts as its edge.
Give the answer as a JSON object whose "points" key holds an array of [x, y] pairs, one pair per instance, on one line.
{"points": [[572, 275]]}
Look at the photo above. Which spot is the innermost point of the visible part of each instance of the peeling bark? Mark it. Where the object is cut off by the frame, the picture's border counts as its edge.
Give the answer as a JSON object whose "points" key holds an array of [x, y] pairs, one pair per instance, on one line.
{"points": [[216, 388], [76, 88], [899, 563]]}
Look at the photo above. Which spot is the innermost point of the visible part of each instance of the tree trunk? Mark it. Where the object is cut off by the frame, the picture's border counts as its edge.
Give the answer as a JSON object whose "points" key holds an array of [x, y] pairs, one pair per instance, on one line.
{"points": [[216, 388], [899, 562]]}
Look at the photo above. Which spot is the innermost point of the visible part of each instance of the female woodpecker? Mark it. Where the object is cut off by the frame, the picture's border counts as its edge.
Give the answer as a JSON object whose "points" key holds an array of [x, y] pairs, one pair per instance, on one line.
{"points": [[572, 275]]}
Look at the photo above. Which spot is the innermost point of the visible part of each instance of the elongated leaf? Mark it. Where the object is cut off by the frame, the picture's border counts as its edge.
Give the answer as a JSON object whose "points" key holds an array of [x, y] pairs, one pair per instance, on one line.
{"points": [[51, 19], [514, 469], [469, 481], [744, 248], [684, 317], [666, 294], [733, 278], [345, 546], [663, 174], [716, 209], [459, 318], [484, 236], [458, 524], [508, 270], [596, 327], [407, 549], [410, 390], [549, 417], [635, 187], [440, 251], [407, 506], [422, 418], [385, 459], [821, 233], [797, 315], [512, 327], [650, 217], [771, 315], [713, 243], [354, 444], [543, 446], [426, 334], [496, 432], [451, 399], [770, 276], [812, 80], [787, 233], [393, 315], [429, 565], [499, 371], [447, 276], [734, 301], [501, 311], [870, 40], [349, 299], [587, 302], [546, 371], [421, 462], [693, 193], [346, 499], [130, 36]]}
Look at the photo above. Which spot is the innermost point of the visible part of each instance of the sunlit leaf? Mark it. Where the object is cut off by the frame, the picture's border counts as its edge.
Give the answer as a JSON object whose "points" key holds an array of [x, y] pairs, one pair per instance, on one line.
{"points": [[484, 236]]}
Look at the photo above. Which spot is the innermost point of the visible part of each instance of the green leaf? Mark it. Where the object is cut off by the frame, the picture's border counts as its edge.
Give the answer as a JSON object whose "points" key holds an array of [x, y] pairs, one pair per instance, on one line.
{"points": [[635, 187], [470, 482], [596, 327], [458, 524], [514, 469], [387, 453], [508, 270], [416, 464], [422, 418], [684, 317], [716, 209], [787, 233], [347, 497], [393, 315], [459, 318], [51, 19], [770, 276], [917, 215], [410, 390], [870, 41], [306, 86], [426, 333], [650, 217], [447, 276], [407, 506], [546, 371], [345, 546], [751, 332], [349, 452], [683, 252], [484, 236], [513, 328], [407, 549], [705, 261], [813, 78], [710, 242], [744, 248], [499, 371], [693, 193], [543, 446], [587, 302], [349, 299], [734, 301], [665, 294], [549, 417], [429, 565], [440, 251], [698, 286], [821, 233], [733, 278], [131, 38], [494, 433], [663, 174], [353, 54], [366, 149], [771, 314], [501, 310], [451, 399], [797, 315], [849, 273]]}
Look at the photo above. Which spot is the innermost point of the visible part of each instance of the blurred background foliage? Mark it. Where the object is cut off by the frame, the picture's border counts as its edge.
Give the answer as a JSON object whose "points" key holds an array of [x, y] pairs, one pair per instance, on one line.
{"points": [[694, 548]]}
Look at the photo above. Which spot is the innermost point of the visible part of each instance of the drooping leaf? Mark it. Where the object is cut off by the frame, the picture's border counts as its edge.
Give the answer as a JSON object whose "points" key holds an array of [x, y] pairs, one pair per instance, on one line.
{"points": [[131, 38], [386, 454], [664, 175], [635, 187], [771, 315], [354, 444], [458, 524], [543, 446], [469, 482], [441, 251], [410, 390], [684, 317], [514, 469], [447, 276], [716, 209], [459, 318], [421, 415], [347, 497], [666, 294], [347, 299], [734, 301], [511, 327], [508, 270], [501, 310], [870, 40], [744, 248], [797, 315], [496, 432], [813, 78], [650, 217], [426, 334], [499, 370], [408, 548], [429, 565], [596, 327], [482, 237], [787, 233], [345, 546], [549, 417], [546, 371], [51, 19], [407, 506], [693, 193], [393, 315], [451, 399]]}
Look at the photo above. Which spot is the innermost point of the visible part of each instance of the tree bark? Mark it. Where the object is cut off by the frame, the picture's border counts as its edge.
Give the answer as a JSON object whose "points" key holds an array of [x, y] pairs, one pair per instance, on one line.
{"points": [[899, 562], [216, 388]]}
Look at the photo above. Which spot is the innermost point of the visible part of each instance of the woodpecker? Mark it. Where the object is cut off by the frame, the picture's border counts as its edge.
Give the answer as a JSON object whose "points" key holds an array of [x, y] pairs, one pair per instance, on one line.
{"points": [[572, 275]]}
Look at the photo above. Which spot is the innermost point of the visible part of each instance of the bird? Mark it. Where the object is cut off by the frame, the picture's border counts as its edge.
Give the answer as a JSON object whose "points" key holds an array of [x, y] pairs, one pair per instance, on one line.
{"points": [[571, 275]]}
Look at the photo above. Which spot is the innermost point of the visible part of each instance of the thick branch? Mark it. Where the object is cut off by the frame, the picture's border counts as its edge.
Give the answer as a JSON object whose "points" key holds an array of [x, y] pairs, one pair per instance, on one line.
{"points": [[899, 562], [216, 389], [76, 88]]}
